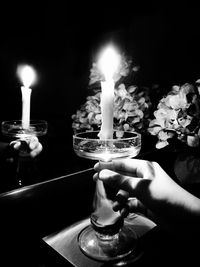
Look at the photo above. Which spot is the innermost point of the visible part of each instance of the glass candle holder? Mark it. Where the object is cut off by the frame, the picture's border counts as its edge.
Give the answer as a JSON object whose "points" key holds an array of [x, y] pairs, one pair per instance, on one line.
{"points": [[108, 237], [13, 129]]}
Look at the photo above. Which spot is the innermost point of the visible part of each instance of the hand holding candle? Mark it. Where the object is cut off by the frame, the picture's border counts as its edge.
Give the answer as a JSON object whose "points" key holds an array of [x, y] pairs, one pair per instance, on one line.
{"points": [[108, 64], [27, 76]]}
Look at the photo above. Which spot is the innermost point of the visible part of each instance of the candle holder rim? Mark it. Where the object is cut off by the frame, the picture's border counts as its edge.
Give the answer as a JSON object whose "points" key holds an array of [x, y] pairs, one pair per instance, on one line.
{"points": [[18, 122], [14, 128], [76, 136]]}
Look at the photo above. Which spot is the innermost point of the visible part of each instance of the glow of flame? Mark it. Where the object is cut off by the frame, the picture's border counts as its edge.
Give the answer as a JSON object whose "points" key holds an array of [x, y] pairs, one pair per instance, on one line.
{"points": [[26, 74], [107, 156], [109, 62]]}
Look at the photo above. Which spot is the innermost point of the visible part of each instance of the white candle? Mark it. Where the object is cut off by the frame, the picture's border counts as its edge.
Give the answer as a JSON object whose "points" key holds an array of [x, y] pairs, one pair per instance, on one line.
{"points": [[27, 76], [108, 64]]}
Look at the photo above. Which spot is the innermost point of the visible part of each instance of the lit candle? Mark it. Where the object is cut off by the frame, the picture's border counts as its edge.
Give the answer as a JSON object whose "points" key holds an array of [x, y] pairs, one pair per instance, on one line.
{"points": [[108, 64], [27, 76]]}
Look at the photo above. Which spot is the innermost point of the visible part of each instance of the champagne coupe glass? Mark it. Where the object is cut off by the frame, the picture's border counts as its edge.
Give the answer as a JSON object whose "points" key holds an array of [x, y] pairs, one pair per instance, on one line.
{"points": [[13, 129], [108, 237]]}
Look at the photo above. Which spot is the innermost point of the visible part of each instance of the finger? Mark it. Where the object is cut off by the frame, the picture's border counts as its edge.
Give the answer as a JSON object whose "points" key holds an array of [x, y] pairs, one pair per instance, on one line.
{"points": [[33, 142], [123, 166], [136, 206], [117, 206], [95, 176], [133, 205], [120, 200], [122, 207], [129, 207], [131, 167], [125, 211], [122, 196], [118, 181], [16, 144], [36, 151]]}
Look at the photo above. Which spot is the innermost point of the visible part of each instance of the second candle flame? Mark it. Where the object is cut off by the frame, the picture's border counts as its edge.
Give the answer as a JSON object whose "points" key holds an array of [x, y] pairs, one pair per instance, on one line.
{"points": [[26, 74]]}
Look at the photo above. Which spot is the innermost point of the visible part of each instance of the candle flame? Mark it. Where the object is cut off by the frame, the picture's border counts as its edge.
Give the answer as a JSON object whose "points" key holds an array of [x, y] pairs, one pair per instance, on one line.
{"points": [[26, 74], [109, 62]]}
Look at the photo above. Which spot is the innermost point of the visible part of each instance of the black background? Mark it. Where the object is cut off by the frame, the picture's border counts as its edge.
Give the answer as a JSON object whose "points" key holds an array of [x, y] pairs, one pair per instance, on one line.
{"points": [[61, 40]]}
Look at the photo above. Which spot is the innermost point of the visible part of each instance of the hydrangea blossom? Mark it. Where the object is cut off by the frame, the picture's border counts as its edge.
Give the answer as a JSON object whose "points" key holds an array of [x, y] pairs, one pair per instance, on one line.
{"points": [[131, 111], [178, 115]]}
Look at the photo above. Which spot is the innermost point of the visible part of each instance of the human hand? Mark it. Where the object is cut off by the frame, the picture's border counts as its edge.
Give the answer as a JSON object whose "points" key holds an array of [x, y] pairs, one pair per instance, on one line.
{"points": [[147, 182], [32, 146], [118, 175]]}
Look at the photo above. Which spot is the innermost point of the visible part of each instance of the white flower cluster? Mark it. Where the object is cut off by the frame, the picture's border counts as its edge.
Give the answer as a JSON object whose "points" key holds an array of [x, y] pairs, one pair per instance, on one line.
{"points": [[178, 115], [131, 111]]}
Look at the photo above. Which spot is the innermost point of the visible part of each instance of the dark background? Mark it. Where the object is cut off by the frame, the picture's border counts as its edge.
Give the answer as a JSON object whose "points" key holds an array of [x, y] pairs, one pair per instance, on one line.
{"points": [[61, 40]]}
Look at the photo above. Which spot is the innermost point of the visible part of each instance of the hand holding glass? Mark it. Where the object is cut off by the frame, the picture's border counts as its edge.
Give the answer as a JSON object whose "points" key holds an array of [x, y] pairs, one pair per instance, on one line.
{"points": [[14, 129]]}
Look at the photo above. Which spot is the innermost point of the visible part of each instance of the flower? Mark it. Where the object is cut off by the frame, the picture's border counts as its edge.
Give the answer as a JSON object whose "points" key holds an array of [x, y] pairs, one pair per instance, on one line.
{"points": [[178, 115], [131, 103]]}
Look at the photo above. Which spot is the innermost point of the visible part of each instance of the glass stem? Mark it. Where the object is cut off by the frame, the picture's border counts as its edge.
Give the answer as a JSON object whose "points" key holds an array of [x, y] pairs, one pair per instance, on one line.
{"points": [[104, 219], [18, 172]]}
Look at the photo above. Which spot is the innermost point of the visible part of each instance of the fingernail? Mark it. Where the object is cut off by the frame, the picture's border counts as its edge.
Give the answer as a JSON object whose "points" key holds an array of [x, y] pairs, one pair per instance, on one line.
{"points": [[17, 145], [122, 196], [124, 212], [96, 166], [32, 145], [95, 176]]}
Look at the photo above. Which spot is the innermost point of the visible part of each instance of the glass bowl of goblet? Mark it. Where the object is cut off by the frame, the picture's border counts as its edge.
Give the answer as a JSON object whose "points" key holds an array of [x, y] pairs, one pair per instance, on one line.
{"points": [[108, 237], [14, 129]]}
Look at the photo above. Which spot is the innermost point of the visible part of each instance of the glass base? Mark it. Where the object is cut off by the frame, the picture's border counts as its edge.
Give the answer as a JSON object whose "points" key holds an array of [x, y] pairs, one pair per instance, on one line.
{"points": [[107, 249]]}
